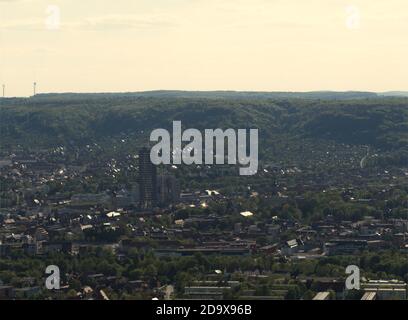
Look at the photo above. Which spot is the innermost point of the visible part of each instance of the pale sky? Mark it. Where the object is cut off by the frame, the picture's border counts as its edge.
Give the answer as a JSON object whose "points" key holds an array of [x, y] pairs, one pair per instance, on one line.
{"points": [[255, 45]]}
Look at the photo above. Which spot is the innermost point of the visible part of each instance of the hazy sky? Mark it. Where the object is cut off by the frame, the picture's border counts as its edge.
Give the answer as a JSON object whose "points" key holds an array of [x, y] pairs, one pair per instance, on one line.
{"points": [[270, 45]]}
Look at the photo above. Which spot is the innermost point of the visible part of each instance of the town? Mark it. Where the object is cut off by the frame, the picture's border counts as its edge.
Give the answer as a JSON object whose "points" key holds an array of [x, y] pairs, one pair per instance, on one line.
{"points": [[123, 228]]}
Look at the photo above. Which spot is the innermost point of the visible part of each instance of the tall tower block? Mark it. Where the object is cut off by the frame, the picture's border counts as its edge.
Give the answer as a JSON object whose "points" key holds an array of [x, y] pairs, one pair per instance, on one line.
{"points": [[147, 180]]}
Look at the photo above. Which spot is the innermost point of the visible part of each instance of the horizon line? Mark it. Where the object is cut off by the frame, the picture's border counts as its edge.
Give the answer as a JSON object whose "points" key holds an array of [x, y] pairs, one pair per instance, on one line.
{"points": [[207, 91]]}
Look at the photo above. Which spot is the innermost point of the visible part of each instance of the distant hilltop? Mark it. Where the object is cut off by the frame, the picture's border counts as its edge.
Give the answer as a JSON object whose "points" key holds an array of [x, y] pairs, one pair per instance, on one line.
{"points": [[230, 95], [323, 95], [394, 94]]}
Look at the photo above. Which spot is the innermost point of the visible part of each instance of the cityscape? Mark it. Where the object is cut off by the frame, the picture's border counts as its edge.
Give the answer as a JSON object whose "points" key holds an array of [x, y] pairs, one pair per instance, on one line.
{"points": [[119, 227], [206, 158]]}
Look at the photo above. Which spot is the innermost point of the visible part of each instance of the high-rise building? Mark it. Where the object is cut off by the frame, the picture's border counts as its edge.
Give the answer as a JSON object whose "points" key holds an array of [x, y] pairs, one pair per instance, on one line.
{"points": [[147, 180], [135, 194], [168, 190]]}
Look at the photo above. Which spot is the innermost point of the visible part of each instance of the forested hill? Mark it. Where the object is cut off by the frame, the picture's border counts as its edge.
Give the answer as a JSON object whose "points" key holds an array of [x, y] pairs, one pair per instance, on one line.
{"points": [[49, 120], [328, 95]]}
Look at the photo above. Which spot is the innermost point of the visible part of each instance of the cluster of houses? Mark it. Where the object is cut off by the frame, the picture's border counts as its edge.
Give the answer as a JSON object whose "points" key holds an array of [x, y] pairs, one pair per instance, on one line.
{"points": [[37, 222]]}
